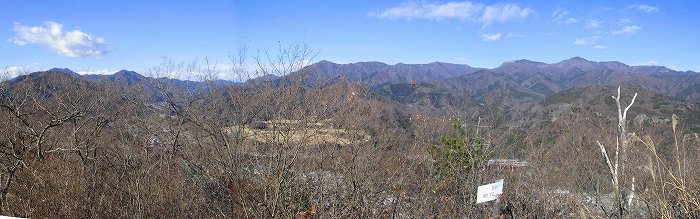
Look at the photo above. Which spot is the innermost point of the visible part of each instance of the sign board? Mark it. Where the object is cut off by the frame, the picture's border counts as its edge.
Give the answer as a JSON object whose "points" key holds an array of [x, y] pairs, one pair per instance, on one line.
{"points": [[505, 163], [489, 192]]}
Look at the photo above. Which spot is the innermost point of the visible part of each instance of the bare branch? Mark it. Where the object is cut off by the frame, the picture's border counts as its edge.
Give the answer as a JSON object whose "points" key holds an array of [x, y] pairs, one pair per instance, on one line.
{"points": [[624, 115], [607, 161]]}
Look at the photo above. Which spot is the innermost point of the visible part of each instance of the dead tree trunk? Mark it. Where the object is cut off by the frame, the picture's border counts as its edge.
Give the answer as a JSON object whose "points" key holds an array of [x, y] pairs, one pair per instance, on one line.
{"points": [[622, 194]]}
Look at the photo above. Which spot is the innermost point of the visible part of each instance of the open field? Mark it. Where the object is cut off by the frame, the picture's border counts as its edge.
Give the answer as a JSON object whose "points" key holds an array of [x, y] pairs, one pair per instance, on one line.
{"points": [[297, 132]]}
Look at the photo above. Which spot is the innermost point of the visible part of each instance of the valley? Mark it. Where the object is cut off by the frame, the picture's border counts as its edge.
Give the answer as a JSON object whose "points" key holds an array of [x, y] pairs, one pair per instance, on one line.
{"points": [[348, 140]]}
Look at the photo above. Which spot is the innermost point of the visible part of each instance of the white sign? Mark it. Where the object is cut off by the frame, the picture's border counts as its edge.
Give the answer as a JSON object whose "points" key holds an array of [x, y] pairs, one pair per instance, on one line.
{"points": [[489, 192]]}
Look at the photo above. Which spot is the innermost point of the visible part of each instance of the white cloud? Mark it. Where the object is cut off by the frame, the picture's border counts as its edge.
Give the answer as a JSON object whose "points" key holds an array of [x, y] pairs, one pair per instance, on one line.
{"points": [[491, 37], [465, 10], [14, 71], [586, 41], [647, 63], [593, 24], [73, 43], [503, 13], [599, 47], [627, 30], [645, 8]]}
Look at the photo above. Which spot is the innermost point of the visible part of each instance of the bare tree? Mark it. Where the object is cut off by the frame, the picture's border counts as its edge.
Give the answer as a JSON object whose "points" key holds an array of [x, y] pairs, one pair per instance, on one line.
{"points": [[622, 194]]}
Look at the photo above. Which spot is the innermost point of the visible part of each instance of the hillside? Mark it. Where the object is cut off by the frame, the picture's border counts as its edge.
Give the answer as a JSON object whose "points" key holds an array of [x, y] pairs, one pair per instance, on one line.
{"points": [[377, 73], [368, 130], [537, 78]]}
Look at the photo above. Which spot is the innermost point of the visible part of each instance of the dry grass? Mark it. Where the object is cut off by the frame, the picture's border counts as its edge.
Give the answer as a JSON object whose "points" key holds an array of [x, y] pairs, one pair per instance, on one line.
{"points": [[673, 191], [299, 132]]}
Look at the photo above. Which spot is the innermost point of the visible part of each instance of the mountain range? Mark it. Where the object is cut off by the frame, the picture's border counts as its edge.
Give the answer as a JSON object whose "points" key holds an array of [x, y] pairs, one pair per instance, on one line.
{"points": [[536, 78], [554, 116], [514, 87], [531, 77], [531, 108]]}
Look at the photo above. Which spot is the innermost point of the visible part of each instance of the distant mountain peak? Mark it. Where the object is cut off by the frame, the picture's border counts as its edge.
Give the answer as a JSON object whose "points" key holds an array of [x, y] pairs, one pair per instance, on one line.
{"points": [[518, 65], [577, 58], [130, 76], [263, 78], [528, 62], [64, 70], [446, 64], [124, 71], [575, 61], [616, 63], [128, 73], [326, 62]]}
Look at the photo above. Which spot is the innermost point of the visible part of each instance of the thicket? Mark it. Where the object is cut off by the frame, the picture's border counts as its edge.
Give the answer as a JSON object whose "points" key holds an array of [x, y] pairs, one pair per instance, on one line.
{"points": [[282, 149]]}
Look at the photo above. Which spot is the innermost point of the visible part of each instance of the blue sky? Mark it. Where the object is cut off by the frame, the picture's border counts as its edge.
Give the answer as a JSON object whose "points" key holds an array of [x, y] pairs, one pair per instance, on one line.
{"points": [[106, 36]]}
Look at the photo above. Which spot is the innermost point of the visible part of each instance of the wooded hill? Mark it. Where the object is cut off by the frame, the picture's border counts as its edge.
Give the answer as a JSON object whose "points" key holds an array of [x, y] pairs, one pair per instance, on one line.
{"points": [[346, 140]]}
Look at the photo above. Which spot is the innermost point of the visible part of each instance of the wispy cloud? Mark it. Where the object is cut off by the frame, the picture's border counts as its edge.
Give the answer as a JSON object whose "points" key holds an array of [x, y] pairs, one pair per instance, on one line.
{"points": [[586, 41], [488, 37], [647, 63], [18, 42], [594, 24], [96, 72], [465, 10], [491, 37], [503, 13], [623, 21], [644, 7], [461, 59], [451, 10], [600, 47], [514, 35], [627, 31], [561, 16], [570, 21], [73, 43]]}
